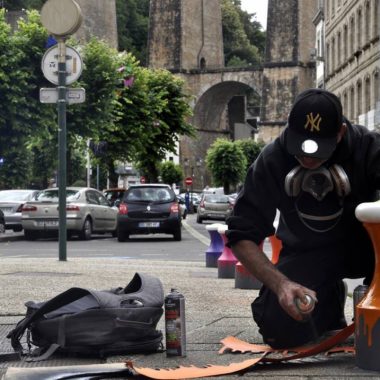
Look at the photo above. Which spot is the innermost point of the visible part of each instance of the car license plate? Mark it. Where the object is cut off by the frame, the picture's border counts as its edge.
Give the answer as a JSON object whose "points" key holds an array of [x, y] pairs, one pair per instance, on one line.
{"points": [[149, 224], [48, 223], [7, 210]]}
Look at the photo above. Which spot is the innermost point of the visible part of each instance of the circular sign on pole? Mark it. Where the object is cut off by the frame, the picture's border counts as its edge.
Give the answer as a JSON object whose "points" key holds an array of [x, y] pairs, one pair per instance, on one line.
{"points": [[61, 17], [49, 65], [188, 181], [142, 179]]}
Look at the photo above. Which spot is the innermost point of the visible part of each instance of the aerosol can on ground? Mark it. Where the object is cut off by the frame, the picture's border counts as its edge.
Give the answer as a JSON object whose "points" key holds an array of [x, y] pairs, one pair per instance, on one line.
{"points": [[175, 325]]}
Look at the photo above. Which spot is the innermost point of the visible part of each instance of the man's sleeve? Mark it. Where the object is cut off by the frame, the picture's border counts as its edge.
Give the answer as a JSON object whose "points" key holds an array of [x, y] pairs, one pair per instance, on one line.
{"points": [[255, 207]]}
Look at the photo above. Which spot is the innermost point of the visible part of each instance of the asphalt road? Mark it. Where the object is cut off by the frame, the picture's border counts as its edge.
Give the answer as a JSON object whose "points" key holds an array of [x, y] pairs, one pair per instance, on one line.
{"points": [[195, 240], [192, 248]]}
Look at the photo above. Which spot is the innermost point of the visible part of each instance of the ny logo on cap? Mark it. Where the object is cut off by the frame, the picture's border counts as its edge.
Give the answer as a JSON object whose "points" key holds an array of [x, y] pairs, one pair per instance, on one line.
{"points": [[313, 122]]}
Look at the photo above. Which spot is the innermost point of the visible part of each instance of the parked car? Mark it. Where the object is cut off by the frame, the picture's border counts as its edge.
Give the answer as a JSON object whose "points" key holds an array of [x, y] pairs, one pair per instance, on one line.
{"points": [[195, 197], [2, 222], [11, 202], [214, 207], [182, 206], [115, 195], [87, 211], [149, 209]]}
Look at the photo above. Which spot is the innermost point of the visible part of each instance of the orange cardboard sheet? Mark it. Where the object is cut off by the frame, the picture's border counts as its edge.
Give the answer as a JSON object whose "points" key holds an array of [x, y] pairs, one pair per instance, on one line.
{"points": [[195, 372], [236, 345]]}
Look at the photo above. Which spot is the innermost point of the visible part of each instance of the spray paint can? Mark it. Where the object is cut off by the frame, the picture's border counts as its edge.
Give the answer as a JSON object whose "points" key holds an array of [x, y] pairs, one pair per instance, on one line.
{"points": [[175, 327], [305, 305], [359, 292]]}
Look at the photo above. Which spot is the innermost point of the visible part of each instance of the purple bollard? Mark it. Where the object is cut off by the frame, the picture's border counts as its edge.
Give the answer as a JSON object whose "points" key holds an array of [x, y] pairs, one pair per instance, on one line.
{"points": [[227, 260], [215, 248]]}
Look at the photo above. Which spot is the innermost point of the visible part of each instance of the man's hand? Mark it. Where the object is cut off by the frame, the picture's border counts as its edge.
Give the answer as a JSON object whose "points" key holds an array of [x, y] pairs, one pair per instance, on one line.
{"points": [[287, 292]]}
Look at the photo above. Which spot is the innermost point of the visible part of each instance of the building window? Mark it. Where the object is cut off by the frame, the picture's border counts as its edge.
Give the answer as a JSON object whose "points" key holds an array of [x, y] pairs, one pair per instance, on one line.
{"points": [[367, 36], [327, 9], [358, 29], [345, 43], [327, 63], [352, 34], [345, 103], [376, 86], [333, 53], [339, 49], [359, 98], [367, 95], [203, 64], [352, 103], [375, 32]]}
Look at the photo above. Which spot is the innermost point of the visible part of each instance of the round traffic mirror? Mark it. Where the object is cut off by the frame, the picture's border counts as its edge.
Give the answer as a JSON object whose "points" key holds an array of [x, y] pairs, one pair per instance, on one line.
{"points": [[61, 17]]}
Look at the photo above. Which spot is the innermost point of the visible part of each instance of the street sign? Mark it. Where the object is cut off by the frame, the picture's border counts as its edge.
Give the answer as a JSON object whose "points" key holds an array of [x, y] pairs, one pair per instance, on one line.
{"points": [[188, 181], [49, 65], [73, 95], [142, 179]]}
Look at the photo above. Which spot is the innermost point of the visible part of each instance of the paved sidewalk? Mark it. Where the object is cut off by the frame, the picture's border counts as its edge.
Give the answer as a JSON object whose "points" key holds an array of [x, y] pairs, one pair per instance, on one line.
{"points": [[214, 310]]}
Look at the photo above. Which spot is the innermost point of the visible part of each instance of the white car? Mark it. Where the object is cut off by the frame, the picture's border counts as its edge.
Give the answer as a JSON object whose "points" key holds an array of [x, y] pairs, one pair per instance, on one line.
{"points": [[87, 211]]}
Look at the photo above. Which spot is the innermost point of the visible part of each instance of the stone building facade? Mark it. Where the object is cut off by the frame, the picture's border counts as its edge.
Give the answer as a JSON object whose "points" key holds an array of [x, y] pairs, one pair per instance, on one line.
{"points": [[185, 35], [352, 57], [289, 67], [99, 19]]}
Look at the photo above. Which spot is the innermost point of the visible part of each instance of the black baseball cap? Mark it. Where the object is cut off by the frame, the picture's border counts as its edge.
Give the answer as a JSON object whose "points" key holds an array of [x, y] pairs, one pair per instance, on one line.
{"points": [[313, 124]]}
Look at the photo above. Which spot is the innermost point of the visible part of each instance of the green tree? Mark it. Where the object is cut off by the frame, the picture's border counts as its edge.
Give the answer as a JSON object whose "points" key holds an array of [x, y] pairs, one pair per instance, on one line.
{"points": [[227, 163], [14, 5], [171, 172], [132, 26], [251, 150], [21, 116], [170, 109], [239, 48]]}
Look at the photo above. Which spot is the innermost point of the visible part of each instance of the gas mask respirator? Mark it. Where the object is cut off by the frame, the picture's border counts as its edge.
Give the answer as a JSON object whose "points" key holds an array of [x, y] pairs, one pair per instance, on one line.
{"points": [[318, 183]]}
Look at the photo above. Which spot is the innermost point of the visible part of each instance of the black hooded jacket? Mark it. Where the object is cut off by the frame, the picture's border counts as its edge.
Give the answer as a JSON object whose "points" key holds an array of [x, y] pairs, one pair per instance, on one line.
{"points": [[358, 153]]}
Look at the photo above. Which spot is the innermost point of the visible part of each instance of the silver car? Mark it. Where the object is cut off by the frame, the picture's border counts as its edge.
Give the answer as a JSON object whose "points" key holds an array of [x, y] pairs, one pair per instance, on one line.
{"points": [[87, 211], [214, 207], [11, 202]]}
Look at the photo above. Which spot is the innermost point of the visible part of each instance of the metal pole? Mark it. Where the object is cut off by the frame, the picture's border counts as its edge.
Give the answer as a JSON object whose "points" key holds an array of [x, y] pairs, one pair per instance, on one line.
{"points": [[62, 144], [97, 176], [88, 164]]}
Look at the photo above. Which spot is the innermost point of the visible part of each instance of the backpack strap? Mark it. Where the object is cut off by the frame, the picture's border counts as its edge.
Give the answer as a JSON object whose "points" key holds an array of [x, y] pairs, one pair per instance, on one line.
{"points": [[58, 301]]}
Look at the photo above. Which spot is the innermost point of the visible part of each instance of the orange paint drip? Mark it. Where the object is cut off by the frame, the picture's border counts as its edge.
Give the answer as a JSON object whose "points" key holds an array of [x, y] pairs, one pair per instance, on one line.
{"points": [[369, 308]]}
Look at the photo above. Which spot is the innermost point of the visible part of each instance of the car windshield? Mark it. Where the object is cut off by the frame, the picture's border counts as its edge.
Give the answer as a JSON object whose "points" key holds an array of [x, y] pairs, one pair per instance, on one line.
{"points": [[214, 198], [52, 195], [14, 195], [149, 194]]}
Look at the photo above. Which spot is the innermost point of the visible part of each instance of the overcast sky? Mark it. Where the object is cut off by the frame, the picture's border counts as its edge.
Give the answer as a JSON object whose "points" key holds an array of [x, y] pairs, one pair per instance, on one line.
{"points": [[260, 7]]}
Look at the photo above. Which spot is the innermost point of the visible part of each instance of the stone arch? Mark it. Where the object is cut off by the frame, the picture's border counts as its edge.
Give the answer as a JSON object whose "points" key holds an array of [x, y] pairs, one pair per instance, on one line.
{"points": [[211, 103]]}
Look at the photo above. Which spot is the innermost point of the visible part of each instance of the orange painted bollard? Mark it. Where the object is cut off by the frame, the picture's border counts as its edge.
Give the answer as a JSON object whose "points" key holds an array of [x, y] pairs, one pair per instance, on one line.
{"points": [[227, 260], [276, 245], [367, 313]]}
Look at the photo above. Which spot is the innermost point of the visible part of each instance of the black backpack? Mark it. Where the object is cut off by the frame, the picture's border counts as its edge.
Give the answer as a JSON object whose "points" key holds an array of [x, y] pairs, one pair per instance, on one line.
{"points": [[91, 322]]}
